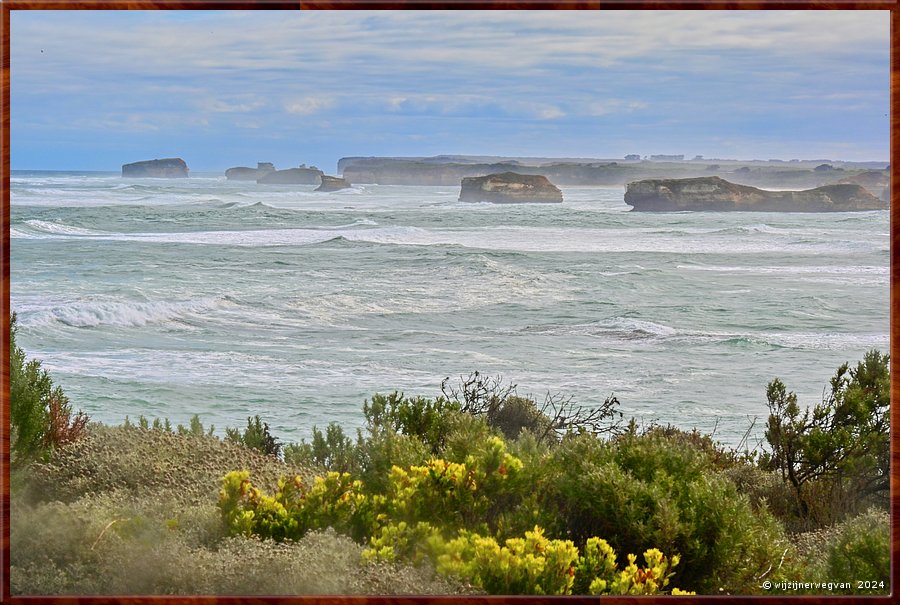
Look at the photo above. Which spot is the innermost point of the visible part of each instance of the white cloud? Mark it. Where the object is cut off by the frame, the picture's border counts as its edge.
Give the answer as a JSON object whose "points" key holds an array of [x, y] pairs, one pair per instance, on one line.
{"points": [[308, 105], [551, 113], [614, 106], [377, 44], [231, 106], [174, 69]]}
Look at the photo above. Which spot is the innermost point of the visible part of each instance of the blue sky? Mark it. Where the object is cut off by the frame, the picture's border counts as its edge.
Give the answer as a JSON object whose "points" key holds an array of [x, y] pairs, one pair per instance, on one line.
{"points": [[92, 90]]}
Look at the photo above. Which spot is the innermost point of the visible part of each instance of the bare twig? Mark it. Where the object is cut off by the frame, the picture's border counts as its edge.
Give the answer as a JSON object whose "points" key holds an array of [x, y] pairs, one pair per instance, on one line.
{"points": [[108, 525]]}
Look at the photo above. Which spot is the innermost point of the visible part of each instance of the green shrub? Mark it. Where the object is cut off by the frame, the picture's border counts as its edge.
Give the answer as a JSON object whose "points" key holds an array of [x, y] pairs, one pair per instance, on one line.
{"points": [[860, 549], [417, 417], [256, 436], [766, 489], [295, 509], [521, 566], [643, 491], [400, 431], [841, 444], [720, 456], [195, 426], [856, 550], [329, 451], [421, 507], [39, 412]]}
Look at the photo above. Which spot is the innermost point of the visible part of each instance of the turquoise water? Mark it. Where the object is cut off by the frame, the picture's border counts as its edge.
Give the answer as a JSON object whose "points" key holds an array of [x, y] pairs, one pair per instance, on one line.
{"points": [[173, 297]]}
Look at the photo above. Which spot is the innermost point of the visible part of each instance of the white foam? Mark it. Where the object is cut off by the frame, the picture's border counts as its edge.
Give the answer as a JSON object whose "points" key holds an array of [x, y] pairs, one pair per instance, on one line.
{"points": [[118, 313], [826, 341], [360, 223], [60, 229], [794, 270]]}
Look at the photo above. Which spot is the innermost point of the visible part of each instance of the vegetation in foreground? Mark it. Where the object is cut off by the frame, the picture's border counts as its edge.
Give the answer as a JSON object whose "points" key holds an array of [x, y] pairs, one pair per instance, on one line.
{"points": [[478, 490]]}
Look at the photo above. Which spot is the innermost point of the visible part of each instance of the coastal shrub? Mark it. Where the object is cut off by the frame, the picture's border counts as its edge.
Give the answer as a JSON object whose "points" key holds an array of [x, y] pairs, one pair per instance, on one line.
{"points": [[470, 495], [766, 489], [860, 549], [195, 426], [256, 436], [382, 451], [508, 413], [418, 417], [399, 431], [446, 494], [855, 550], [643, 491], [721, 456], [332, 450], [39, 412], [421, 507], [841, 444], [529, 565], [335, 501]]}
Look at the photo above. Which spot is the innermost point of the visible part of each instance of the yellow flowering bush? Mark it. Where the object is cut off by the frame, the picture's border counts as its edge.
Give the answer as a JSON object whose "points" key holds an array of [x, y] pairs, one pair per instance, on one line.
{"points": [[437, 512], [451, 493], [532, 565], [334, 500], [635, 580]]}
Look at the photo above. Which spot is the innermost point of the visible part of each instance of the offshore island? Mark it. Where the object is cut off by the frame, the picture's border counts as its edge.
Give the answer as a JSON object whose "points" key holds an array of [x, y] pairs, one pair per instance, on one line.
{"points": [[655, 184]]}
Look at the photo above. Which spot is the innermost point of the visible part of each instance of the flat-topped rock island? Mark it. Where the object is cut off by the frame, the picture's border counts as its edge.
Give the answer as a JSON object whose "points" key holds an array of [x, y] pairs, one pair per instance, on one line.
{"points": [[333, 183], [166, 168], [718, 195], [292, 176], [509, 188]]}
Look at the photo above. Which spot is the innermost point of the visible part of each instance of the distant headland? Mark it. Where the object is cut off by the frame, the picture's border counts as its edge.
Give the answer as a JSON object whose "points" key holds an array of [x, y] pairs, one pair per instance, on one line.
{"points": [[716, 194]]}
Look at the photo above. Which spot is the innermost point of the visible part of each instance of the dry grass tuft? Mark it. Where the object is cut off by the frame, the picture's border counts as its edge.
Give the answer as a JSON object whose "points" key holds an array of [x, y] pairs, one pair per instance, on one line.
{"points": [[186, 467]]}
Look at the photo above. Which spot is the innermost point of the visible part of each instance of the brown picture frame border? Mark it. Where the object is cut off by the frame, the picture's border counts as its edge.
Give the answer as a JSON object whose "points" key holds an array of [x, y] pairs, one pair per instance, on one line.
{"points": [[6, 6]]}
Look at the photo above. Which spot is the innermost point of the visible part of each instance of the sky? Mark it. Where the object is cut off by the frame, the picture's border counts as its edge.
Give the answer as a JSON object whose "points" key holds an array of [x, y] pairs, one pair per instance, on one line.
{"points": [[92, 90]]}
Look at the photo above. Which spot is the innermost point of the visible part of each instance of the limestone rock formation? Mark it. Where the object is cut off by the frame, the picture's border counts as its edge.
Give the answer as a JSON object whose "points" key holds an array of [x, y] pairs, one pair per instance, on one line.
{"points": [[876, 182], [243, 173], [509, 187], [166, 168], [292, 176], [716, 194], [333, 183]]}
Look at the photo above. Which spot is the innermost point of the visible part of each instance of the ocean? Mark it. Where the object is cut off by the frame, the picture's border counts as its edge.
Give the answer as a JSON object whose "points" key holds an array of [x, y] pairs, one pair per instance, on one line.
{"points": [[168, 298]]}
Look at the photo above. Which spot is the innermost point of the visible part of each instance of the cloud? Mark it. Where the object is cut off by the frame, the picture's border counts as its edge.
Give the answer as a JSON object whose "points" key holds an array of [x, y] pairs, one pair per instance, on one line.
{"points": [[308, 105], [416, 71], [551, 113], [231, 106], [614, 106]]}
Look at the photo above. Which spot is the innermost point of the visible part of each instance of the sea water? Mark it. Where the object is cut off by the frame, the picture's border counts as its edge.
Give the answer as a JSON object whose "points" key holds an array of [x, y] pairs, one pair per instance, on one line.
{"points": [[168, 298]]}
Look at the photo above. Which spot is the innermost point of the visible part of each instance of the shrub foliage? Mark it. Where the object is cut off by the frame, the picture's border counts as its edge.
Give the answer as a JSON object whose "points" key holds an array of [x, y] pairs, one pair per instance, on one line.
{"points": [[40, 415], [490, 490], [841, 446]]}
